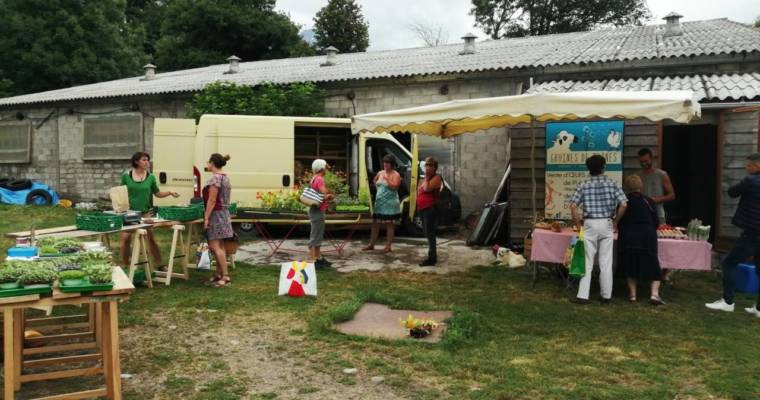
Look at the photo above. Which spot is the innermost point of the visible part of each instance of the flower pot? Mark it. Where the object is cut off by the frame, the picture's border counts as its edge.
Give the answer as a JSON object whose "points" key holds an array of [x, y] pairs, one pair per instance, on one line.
{"points": [[36, 285], [9, 285], [418, 333], [73, 282]]}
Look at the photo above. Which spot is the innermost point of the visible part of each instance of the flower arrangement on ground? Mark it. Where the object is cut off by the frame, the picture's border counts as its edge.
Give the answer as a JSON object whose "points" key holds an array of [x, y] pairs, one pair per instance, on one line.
{"points": [[418, 328]]}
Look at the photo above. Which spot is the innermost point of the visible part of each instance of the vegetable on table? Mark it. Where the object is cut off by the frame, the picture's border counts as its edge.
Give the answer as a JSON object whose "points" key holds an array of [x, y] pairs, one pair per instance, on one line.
{"points": [[39, 273], [99, 273]]}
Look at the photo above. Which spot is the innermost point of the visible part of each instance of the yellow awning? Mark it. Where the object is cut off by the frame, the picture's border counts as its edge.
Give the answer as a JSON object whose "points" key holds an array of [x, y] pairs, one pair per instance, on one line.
{"points": [[461, 116]]}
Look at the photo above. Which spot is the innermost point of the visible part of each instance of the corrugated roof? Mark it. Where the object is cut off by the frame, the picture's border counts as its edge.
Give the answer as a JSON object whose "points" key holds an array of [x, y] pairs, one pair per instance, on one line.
{"points": [[718, 36], [706, 87]]}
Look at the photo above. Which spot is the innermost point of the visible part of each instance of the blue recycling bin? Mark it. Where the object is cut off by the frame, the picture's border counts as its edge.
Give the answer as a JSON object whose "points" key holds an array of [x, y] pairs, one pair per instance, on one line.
{"points": [[746, 279]]}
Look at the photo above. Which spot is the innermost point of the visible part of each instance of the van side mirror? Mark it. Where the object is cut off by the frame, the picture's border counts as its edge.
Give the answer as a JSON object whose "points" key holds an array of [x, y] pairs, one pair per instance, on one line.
{"points": [[286, 180], [162, 177]]}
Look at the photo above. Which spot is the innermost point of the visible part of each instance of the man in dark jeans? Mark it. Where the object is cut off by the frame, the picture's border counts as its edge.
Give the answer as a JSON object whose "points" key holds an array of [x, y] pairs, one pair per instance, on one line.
{"points": [[427, 197], [747, 217]]}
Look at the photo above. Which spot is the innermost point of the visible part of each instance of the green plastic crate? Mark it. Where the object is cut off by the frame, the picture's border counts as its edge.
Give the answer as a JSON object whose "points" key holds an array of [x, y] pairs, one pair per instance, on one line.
{"points": [[98, 221], [181, 213], [85, 286], [23, 291]]}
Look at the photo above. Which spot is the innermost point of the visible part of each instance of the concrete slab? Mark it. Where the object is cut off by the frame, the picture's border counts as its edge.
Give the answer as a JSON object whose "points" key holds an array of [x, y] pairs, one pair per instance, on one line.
{"points": [[378, 320], [453, 255]]}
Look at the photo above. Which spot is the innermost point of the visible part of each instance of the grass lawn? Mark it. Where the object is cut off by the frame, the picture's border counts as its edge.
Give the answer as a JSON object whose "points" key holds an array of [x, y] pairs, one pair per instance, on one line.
{"points": [[506, 341]]}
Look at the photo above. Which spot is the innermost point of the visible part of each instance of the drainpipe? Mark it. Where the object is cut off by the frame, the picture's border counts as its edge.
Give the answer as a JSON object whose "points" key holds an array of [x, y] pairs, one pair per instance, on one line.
{"points": [[58, 149]]}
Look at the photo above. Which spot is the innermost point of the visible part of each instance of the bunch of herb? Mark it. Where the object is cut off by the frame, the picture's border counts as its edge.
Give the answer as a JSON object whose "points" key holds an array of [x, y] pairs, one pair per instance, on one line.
{"points": [[71, 275], [10, 273], [48, 250], [58, 243], [39, 274], [99, 273]]}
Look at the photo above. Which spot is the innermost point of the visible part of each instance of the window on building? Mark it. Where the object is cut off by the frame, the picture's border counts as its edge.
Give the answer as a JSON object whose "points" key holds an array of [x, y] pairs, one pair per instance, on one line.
{"points": [[15, 142], [113, 137]]}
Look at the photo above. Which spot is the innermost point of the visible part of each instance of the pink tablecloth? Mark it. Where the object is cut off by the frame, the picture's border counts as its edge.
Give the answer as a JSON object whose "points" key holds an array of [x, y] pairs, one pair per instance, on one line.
{"points": [[550, 247]]}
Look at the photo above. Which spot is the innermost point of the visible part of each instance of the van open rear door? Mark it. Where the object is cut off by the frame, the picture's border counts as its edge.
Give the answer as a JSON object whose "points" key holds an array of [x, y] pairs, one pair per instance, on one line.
{"points": [[173, 156]]}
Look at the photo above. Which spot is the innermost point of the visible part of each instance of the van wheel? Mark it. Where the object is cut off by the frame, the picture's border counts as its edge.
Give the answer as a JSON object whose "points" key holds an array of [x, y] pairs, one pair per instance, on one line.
{"points": [[413, 226], [246, 230]]}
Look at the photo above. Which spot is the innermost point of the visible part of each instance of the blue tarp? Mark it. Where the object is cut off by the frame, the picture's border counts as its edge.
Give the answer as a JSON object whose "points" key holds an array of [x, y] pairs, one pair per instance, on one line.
{"points": [[19, 196]]}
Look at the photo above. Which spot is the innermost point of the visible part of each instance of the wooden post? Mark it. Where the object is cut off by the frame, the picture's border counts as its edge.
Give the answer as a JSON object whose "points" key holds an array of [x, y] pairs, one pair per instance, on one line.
{"points": [[112, 360], [176, 238], [8, 354], [140, 256], [18, 346], [188, 245], [533, 169], [148, 268], [98, 326], [719, 175]]}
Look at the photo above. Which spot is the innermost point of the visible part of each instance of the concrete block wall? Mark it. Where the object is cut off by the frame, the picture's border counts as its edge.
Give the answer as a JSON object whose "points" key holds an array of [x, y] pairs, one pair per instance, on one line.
{"points": [[477, 161], [58, 145]]}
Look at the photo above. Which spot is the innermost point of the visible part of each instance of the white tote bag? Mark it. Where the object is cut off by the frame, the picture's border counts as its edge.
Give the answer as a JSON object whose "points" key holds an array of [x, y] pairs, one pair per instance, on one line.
{"points": [[311, 197], [298, 279]]}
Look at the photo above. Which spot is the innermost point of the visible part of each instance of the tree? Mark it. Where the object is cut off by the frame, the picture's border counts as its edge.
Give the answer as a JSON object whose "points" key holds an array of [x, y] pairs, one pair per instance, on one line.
{"points": [[145, 18], [49, 44], [204, 32], [5, 87], [430, 34], [295, 99], [340, 24], [514, 18]]}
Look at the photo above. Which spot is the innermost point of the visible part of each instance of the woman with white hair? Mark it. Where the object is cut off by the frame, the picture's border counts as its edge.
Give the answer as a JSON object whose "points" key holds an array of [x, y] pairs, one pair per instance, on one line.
{"points": [[637, 242], [317, 214]]}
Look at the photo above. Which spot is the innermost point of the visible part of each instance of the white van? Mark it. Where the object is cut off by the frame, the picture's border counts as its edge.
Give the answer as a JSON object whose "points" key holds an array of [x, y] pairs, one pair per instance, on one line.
{"points": [[268, 153]]}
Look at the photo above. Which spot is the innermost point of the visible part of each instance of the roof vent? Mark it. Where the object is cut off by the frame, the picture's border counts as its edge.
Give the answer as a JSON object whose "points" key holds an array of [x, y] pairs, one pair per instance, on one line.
{"points": [[234, 64], [150, 72], [332, 56], [673, 24], [469, 44]]}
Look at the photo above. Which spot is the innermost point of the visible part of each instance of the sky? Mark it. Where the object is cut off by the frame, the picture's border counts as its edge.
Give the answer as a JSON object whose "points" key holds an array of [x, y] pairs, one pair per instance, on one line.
{"points": [[389, 20]]}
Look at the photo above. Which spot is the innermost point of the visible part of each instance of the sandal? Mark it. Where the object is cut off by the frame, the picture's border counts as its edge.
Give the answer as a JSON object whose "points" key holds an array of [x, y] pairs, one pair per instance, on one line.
{"points": [[223, 281], [368, 248], [212, 279], [656, 301], [386, 250]]}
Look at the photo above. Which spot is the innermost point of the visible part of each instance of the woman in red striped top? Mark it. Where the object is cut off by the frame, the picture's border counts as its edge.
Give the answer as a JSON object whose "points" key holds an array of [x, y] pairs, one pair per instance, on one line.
{"points": [[427, 197]]}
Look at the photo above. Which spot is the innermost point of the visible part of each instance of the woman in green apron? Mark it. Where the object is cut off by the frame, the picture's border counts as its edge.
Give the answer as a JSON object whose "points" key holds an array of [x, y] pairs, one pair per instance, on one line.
{"points": [[141, 187]]}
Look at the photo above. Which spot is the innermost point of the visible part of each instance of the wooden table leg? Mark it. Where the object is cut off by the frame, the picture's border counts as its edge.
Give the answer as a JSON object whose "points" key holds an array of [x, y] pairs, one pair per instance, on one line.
{"points": [[134, 259], [98, 329], [8, 354], [188, 245], [18, 346], [111, 357], [176, 234]]}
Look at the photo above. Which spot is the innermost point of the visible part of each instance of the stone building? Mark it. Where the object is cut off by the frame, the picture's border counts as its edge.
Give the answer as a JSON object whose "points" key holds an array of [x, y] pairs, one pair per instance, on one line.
{"points": [[78, 139]]}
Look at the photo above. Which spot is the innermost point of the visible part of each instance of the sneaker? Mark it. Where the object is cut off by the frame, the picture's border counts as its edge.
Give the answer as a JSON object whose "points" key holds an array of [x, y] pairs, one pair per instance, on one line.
{"points": [[720, 305], [656, 301], [578, 300], [322, 263], [753, 310], [602, 300], [427, 263]]}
